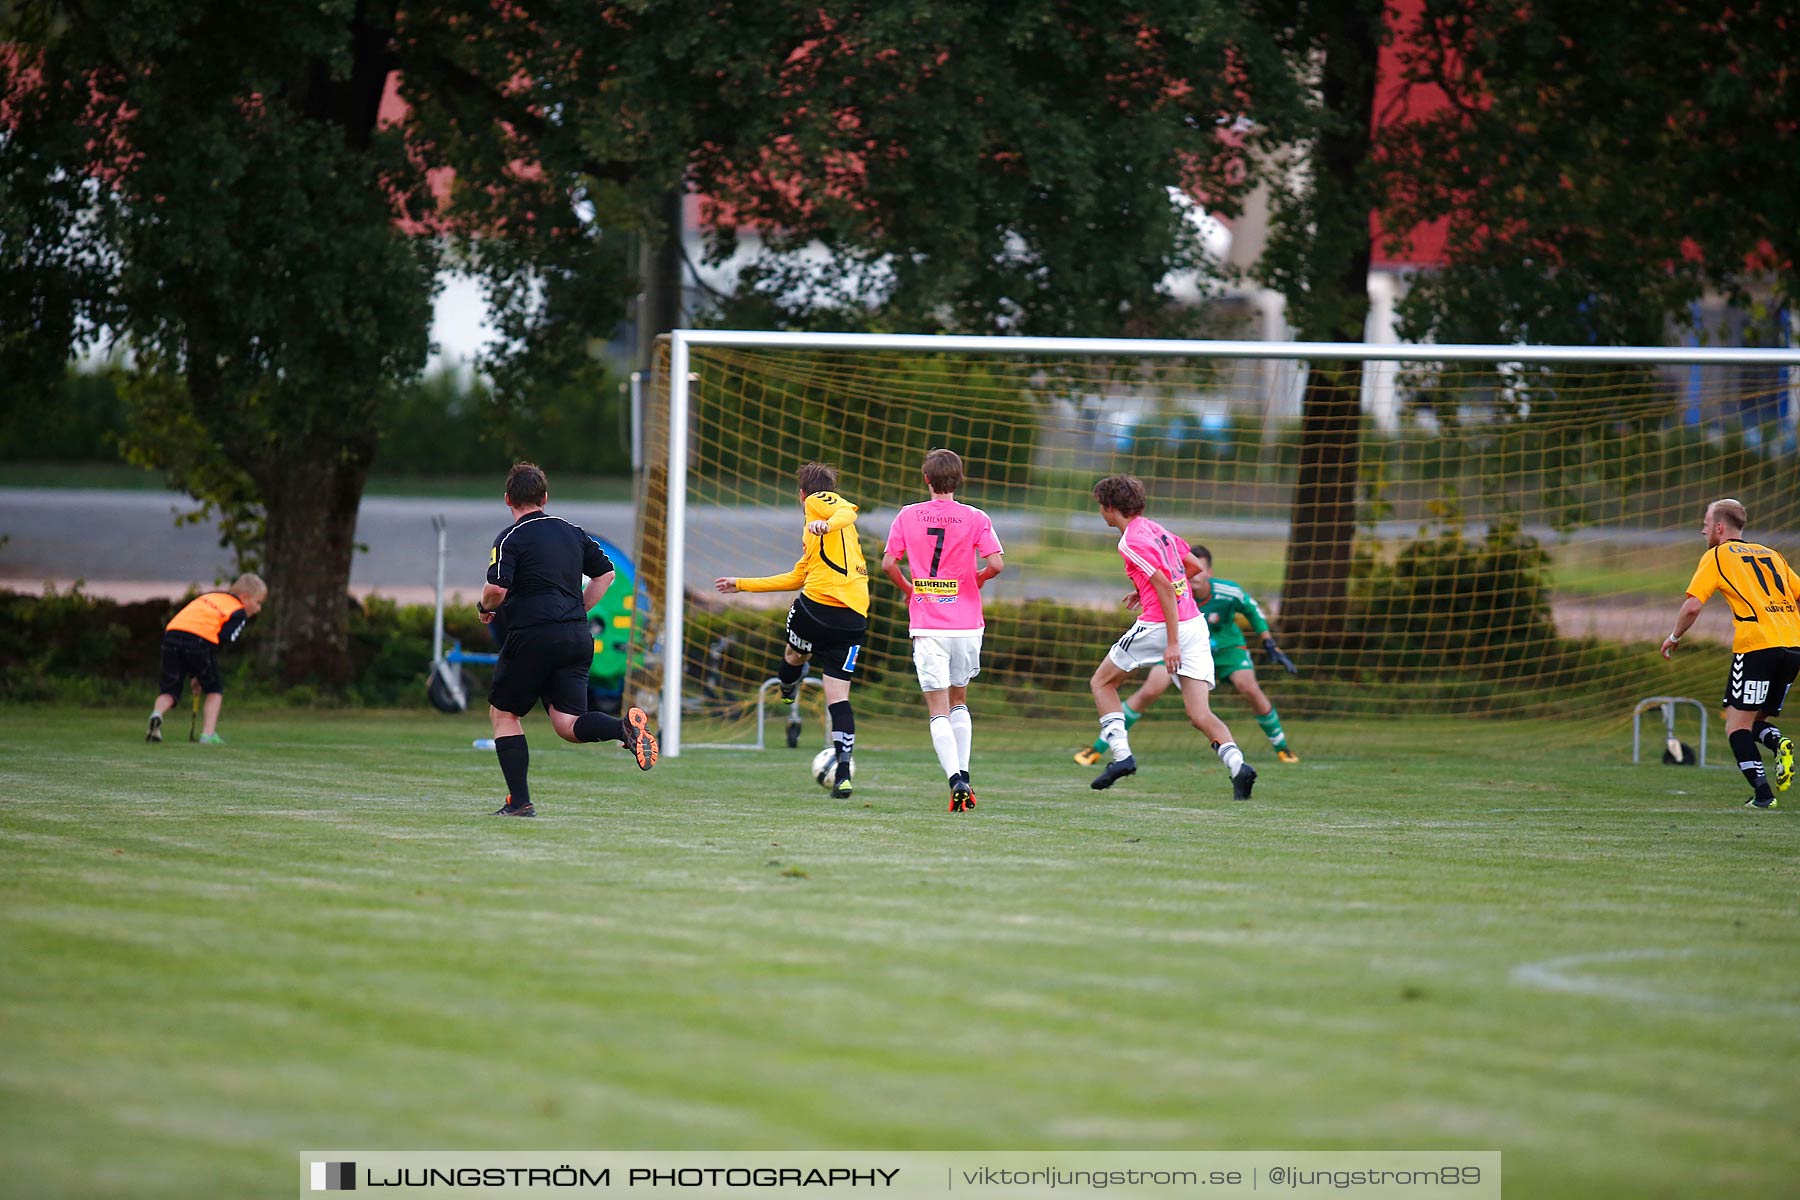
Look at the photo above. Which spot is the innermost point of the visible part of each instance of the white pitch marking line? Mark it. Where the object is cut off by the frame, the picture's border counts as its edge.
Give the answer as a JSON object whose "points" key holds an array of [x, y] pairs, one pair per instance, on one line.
{"points": [[1563, 975], [1559, 974]]}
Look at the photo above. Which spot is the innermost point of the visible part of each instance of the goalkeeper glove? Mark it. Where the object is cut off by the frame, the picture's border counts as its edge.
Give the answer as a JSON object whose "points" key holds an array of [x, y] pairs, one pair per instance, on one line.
{"points": [[1278, 658]]}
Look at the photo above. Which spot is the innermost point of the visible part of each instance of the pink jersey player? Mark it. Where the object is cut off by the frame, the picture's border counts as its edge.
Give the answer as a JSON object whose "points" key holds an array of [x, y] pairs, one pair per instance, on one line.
{"points": [[1146, 548], [1179, 641], [940, 540]]}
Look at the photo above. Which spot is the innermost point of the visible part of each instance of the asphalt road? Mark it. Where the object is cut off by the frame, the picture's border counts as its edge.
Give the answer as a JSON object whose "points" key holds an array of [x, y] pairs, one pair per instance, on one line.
{"points": [[128, 545]]}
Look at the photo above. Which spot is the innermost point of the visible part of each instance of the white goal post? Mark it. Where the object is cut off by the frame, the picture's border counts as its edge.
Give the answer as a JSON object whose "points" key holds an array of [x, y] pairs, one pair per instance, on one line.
{"points": [[683, 342]]}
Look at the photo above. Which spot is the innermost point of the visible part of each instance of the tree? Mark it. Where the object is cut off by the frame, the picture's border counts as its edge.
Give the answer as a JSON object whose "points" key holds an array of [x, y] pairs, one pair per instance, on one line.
{"points": [[214, 185], [1318, 255], [230, 202], [984, 166], [1599, 166]]}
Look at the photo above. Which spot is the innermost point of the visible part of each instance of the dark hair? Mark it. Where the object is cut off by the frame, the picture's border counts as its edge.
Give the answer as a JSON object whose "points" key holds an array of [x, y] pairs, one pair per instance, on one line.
{"points": [[816, 477], [943, 470], [1201, 552], [526, 486], [1123, 492]]}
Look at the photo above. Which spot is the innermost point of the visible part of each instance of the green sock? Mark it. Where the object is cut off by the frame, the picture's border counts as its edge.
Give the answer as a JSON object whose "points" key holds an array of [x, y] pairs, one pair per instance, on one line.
{"points": [[1131, 718], [1271, 725]]}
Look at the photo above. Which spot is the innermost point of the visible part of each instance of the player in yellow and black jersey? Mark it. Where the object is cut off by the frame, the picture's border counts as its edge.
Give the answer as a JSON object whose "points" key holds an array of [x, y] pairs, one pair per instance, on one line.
{"points": [[831, 617], [1764, 595]]}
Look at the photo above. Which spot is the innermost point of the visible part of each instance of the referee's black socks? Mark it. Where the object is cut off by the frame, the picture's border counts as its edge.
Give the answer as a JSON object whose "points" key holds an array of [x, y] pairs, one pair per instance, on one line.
{"points": [[515, 764], [598, 727], [1749, 761]]}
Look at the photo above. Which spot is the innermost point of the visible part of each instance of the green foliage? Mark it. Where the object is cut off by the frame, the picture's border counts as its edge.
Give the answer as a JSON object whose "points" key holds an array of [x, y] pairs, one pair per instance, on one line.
{"points": [[70, 646], [76, 420], [68, 633], [1457, 624], [1598, 166], [994, 166], [450, 423], [213, 185], [445, 423], [1447, 602], [1448, 621], [1464, 626], [761, 427]]}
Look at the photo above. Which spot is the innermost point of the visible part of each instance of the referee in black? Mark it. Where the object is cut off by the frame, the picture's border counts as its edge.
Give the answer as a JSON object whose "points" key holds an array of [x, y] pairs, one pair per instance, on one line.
{"points": [[534, 587]]}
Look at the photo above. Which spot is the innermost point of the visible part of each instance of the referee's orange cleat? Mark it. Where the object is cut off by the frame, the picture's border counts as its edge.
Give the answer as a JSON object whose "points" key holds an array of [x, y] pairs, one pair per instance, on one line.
{"points": [[638, 738]]}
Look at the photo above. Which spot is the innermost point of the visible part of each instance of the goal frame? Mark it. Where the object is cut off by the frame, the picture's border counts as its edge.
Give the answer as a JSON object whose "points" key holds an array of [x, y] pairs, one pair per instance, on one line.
{"points": [[683, 341]]}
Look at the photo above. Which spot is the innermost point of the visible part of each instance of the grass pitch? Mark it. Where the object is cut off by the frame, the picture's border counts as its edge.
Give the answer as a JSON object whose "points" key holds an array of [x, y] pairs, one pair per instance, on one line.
{"points": [[315, 936]]}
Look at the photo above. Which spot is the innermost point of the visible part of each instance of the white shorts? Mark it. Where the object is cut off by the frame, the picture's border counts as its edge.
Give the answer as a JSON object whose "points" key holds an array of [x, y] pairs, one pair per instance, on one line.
{"points": [[946, 662], [1143, 644]]}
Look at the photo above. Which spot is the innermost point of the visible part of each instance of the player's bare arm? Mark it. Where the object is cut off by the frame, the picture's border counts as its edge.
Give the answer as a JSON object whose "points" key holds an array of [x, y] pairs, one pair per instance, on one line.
{"points": [[890, 566], [492, 597], [1165, 593], [596, 588], [1685, 616], [991, 566]]}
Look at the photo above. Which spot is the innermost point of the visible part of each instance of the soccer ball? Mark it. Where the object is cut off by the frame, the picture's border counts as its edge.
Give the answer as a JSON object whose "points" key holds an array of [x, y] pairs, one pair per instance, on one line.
{"points": [[824, 768]]}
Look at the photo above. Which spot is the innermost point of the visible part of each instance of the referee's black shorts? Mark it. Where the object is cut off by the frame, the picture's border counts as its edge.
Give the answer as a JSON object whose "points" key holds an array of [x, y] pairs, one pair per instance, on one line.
{"points": [[543, 662], [184, 654], [1760, 679], [831, 634]]}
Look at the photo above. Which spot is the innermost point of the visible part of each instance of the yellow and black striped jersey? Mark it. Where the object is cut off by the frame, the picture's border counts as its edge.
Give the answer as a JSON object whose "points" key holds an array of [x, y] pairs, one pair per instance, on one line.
{"points": [[1761, 589], [832, 569]]}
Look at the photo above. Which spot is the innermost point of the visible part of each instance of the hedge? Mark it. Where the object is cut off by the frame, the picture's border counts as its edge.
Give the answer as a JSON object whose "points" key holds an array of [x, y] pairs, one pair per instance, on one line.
{"points": [[72, 647]]}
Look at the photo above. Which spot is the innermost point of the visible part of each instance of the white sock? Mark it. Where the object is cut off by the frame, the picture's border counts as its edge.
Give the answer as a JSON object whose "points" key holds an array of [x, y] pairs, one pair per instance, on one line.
{"points": [[1231, 756], [1112, 728], [964, 729], [944, 742]]}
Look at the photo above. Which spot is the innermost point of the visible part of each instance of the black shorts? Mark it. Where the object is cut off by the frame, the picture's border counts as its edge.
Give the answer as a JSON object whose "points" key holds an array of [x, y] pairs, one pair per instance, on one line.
{"points": [[183, 655], [545, 662], [831, 634], [1760, 679]]}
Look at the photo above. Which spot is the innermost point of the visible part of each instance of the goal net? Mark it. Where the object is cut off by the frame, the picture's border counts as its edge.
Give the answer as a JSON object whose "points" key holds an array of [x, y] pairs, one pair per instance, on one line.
{"points": [[1493, 533]]}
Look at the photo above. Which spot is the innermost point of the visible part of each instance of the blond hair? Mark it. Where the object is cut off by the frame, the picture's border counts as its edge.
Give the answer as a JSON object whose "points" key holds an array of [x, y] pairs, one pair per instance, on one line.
{"points": [[247, 585], [1728, 511]]}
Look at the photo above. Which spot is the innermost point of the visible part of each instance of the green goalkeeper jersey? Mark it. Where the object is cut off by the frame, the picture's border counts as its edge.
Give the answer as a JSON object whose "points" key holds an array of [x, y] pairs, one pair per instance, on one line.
{"points": [[1222, 609]]}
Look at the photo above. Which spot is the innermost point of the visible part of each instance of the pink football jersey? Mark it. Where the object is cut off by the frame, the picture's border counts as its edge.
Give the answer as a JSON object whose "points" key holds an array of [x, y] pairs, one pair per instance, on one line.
{"points": [[1147, 547], [939, 540]]}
